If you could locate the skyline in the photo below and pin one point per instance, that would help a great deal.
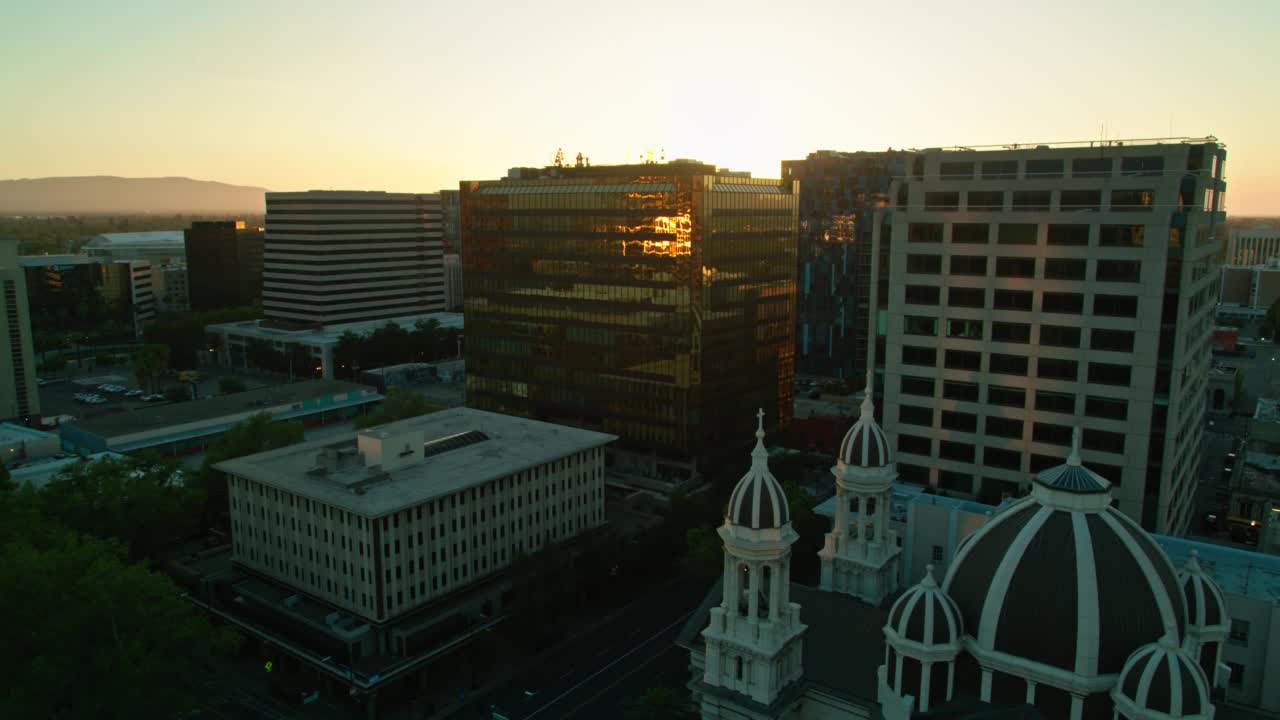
(414, 98)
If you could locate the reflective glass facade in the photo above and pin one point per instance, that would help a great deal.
(654, 302)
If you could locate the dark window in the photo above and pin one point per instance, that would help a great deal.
(968, 265)
(1115, 305)
(1111, 442)
(952, 450)
(1060, 336)
(1109, 374)
(1055, 369)
(942, 201)
(1064, 269)
(912, 385)
(963, 360)
(1044, 462)
(912, 415)
(1121, 235)
(924, 233)
(1077, 200)
(965, 329)
(1110, 472)
(1068, 235)
(966, 297)
(1045, 168)
(1004, 427)
(980, 200)
(951, 480)
(1007, 396)
(1065, 303)
(914, 474)
(1013, 300)
(956, 170)
(915, 444)
(924, 264)
(1149, 165)
(969, 233)
(916, 325)
(998, 457)
(1000, 170)
(1051, 434)
(1011, 332)
(1109, 408)
(1055, 402)
(1118, 271)
(955, 390)
(1112, 340)
(922, 294)
(1016, 234)
(1091, 167)
(912, 355)
(1030, 199)
(1132, 200)
(1015, 267)
(962, 421)
(1008, 364)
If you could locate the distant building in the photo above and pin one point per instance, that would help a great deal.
(341, 257)
(20, 444)
(451, 222)
(169, 288)
(75, 296)
(224, 264)
(158, 247)
(453, 282)
(19, 397)
(1257, 246)
(1248, 292)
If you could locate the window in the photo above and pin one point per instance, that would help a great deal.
(961, 421)
(1112, 442)
(1110, 472)
(1000, 170)
(1239, 634)
(1109, 374)
(1008, 364)
(1045, 168)
(924, 264)
(1015, 267)
(1091, 167)
(936, 557)
(1112, 340)
(1148, 165)
(1051, 434)
(985, 200)
(1132, 200)
(1016, 234)
(1064, 403)
(1000, 458)
(1044, 462)
(950, 480)
(1060, 336)
(1064, 269)
(966, 297)
(943, 201)
(1004, 427)
(1128, 271)
(969, 234)
(1011, 332)
(1006, 396)
(1079, 200)
(912, 355)
(1064, 303)
(1054, 369)
(1109, 408)
(966, 329)
(956, 170)
(915, 444)
(1115, 305)
(968, 265)
(915, 474)
(1030, 200)
(912, 385)
(912, 415)
(1013, 300)
(951, 450)
(917, 325)
(924, 233)
(1121, 235)
(1068, 235)
(956, 390)
(963, 360)
(1237, 675)
(922, 295)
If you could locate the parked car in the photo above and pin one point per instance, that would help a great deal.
(134, 393)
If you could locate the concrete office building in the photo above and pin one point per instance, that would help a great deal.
(19, 398)
(1256, 246)
(453, 282)
(451, 222)
(158, 247)
(1032, 289)
(224, 264)
(169, 288)
(74, 296)
(1249, 291)
(335, 257)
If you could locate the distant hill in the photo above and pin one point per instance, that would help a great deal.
(106, 194)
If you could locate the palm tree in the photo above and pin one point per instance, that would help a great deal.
(149, 360)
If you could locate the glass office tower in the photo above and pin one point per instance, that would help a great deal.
(654, 301)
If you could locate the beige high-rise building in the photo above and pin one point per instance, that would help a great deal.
(1028, 290)
(1255, 246)
(19, 398)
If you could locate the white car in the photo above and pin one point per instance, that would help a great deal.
(133, 393)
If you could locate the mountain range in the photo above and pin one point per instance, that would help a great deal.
(104, 194)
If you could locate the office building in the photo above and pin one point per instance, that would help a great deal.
(839, 193)
(80, 299)
(224, 264)
(19, 398)
(1254, 246)
(157, 247)
(655, 302)
(1248, 291)
(335, 257)
(453, 282)
(1032, 289)
(450, 221)
(169, 288)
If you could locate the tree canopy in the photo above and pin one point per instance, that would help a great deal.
(393, 345)
(255, 434)
(662, 703)
(183, 333)
(400, 403)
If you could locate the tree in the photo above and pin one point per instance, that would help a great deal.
(706, 552)
(661, 703)
(184, 334)
(812, 529)
(148, 361)
(177, 393)
(400, 403)
(230, 385)
(54, 364)
(255, 434)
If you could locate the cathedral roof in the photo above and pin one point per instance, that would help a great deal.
(758, 501)
(1205, 605)
(926, 615)
(1161, 680)
(865, 445)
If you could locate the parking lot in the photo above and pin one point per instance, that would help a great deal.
(58, 397)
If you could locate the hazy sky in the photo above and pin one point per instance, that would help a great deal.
(413, 96)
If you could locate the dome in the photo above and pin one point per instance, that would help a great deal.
(758, 501)
(1161, 680)
(926, 615)
(1206, 607)
(865, 445)
(1064, 553)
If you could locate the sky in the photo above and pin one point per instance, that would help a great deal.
(415, 96)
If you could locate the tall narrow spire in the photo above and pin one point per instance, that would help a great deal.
(1074, 457)
(868, 405)
(759, 454)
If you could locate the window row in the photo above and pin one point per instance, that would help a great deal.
(1063, 303)
(1129, 271)
(1011, 332)
(1081, 167)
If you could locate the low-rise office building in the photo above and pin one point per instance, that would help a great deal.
(1248, 291)
(18, 396)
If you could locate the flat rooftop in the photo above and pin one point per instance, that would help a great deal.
(156, 417)
(1268, 410)
(329, 334)
(465, 447)
(1242, 572)
(10, 433)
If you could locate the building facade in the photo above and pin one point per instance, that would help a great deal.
(450, 220)
(19, 397)
(1028, 290)
(453, 282)
(335, 257)
(1256, 246)
(655, 302)
(75, 298)
(1248, 291)
(170, 289)
(157, 247)
(224, 264)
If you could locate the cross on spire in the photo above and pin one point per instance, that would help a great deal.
(868, 405)
(759, 454)
(1074, 457)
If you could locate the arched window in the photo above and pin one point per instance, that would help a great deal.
(766, 585)
(739, 670)
(1219, 397)
(744, 589)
